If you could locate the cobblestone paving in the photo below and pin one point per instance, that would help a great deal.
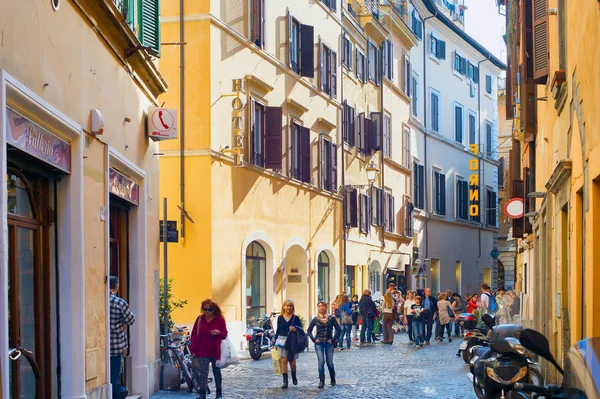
(374, 371)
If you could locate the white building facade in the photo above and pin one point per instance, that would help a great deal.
(454, 126)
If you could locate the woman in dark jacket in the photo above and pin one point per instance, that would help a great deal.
(324, 341)
(205, 344)
(285, 323)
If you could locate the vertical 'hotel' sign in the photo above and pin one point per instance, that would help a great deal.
(474, 181)
(238, 138)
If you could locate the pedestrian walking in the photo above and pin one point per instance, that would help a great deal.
(388, 308)
(324, 339)
(444, 315)
(408, 314)
(430, 313)
(472, 304)
(418, 320)
(286, 323)
(347, 312)
(205, 344)
(459, 305)
(368, 312)
(355, 317)
(121, 316)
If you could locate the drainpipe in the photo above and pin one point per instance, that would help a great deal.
(481, 169)
(182, 117)
(382, 160)
(344, 196)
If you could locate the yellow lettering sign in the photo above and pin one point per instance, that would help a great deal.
(474, 181)
(474, 210)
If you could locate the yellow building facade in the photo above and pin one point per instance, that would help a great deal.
(560, 130)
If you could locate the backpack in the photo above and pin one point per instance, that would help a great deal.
(493, 304)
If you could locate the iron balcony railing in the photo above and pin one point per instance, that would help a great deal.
(126, 8)
(372, 7)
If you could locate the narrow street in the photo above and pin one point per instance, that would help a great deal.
(371, 372)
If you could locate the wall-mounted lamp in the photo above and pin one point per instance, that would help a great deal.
(372, 171)
(537, 194)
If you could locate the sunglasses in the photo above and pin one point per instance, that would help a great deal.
(207, 309)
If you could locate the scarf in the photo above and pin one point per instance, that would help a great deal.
(323, 317)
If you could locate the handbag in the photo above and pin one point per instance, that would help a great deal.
(346, 318)
(228, 354)
(281, 341)
(275, 359)
(450, 312)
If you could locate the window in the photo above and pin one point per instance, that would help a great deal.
(437, 47)
(387, 136)
(472, 128)
(407, 152)
(323, 278)
(388, 59)
(458, 123)
(348, 125)
(266, 136)
(488, 139)
(419, 185)
(351, 207)
(407, 70)
(149, 27)
(374, 277)
(491, 207)
(347, 52)
(460, 64)
(408, 219)
(501, 168)
(435, 111)
(374, 63)
(364, 134)
(257, 27)
(376, 206)
(256, 281)
(417, 25)
(328, 165)
(473, 73)
(439, 193)
(376, 136)
(415, 97)
(328, 70)
(300, 153)
(300, 47)
(365, 214)
(389, 213)
(331, 4)
(488, 84)
(462, 199)
(361, 66)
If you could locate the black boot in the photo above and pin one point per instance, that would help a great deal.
(294, 379)
(285, 381)
(202, 394)
(219, 394)
(321, 381)
(332, 375)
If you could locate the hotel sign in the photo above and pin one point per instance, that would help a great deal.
(37, 141)
(237, 105)
(123, 187)
(474, 181)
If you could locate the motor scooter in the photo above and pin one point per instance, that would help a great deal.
(261, 336)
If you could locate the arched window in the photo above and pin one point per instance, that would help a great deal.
(374, 278)
(256, 272)
(323, 278)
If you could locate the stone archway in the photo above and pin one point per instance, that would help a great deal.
(375, 284)
(296, 279)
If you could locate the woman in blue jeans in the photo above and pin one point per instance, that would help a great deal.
(418, 320)
(347, 311)
(324, 341)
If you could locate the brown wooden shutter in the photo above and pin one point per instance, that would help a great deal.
(353, 208)
(527, 56)
(305, 154)
(528, 228)
(333, 73)
(540, 40)
(518, 192)
(333, 170)
(255, 27)
(510, 114)
(386, 212)
(307, 51)
(262, 23)
(273, 137)
(528, 110)
(376, 131)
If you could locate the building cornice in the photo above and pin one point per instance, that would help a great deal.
(560, 174)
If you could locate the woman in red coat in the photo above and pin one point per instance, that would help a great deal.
(209, 330)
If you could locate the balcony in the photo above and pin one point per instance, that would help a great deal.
(454, 9)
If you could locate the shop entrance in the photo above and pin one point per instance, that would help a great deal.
(29, 285)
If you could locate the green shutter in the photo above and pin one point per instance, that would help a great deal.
(149, 33)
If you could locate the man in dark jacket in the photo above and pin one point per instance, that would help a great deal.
(429, 303)
(460, 306)
(368, 311)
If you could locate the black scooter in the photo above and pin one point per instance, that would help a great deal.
(261, 336)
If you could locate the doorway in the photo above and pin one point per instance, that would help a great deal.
(435, 275)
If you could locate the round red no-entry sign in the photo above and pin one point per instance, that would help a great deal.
(514, 208)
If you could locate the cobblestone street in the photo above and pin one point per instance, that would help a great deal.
(369, 372)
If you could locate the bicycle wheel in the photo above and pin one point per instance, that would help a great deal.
(185, 371)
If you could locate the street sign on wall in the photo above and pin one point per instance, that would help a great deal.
(172, 232)
(162, 123)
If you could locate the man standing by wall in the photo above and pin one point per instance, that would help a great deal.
(430, 310)
(120, 316)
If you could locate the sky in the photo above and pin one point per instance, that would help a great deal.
(484, 24)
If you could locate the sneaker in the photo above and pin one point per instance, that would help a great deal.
(449, 339)
(417, 346)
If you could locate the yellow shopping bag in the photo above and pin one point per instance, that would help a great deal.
(275, 359)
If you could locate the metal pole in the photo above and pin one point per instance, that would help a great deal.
(181, 118)
(166, 277)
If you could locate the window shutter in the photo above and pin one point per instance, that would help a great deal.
(322, 60)
(528, 228)
(353, 208)
(376, 131)
(442, 183)
(362, 210)
(368, 213)
(333, 170)
(368, 135)
(305, 154)
(458, 123)
(386, 212)
(345, 112)
(307, 51)
(540, 40)
(528, 110)
(408, 79)
(273, 137)
(149, 33)
(384, 55)
(333, 5)
(255, 27)
(488, 83)
(333, 73)
(422, 186)
(323, 159)
(391, 60)
(361, 132)
(351, 127)
(289, 38)
(518, 192)
(441, 49)
(373, 207)
(465, 204)
(392, 216)
(380, 207)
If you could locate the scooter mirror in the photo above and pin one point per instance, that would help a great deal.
(488, 320)
(538, 344)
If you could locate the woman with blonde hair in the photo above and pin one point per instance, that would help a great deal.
(286, 323)
(205, 344)
(445, 316)
(388, 318)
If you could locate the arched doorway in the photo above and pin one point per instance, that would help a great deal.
(375, 278)
(256, 281)
(501, 274)
(296, 281)
(323, 278)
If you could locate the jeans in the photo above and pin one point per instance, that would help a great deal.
(367, 329)
(346, 330)
(116, 366)
(388, 322)
(448, 328)
(201, 364)
(457, 328)
(355, 331)
(418, 331)
(410, 327)
(428, 320)
(324, 352)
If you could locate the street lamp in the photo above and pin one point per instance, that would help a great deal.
(372, 171)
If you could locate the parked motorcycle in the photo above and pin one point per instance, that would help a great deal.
(495, 369)
(261, 336)
(472, 336)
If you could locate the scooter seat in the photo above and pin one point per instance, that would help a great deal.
(481, 351)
